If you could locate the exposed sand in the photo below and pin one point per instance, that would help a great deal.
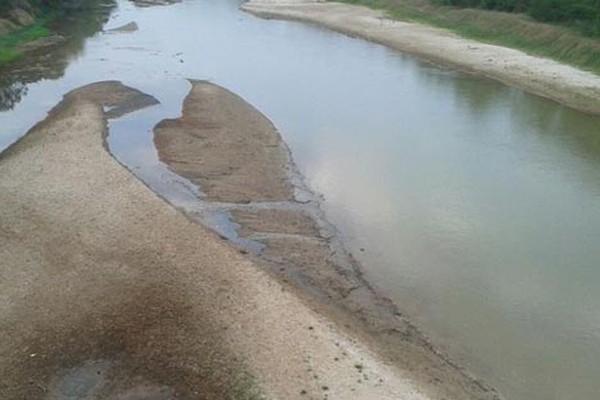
(237, 157)
(567, 85)
(107, 292)
(241, 156)
(127, 28)
(152, 3)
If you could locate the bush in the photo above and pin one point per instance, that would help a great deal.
(581, 14)
(6, 5)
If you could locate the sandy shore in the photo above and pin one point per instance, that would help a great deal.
(238, 159)
(108, 292)
(567, 85)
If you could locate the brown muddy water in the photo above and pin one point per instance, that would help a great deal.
(475, 206)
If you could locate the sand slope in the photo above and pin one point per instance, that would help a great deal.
(226, 147)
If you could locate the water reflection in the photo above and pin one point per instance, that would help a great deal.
(490, 218)
(76, 25)
(11, 93)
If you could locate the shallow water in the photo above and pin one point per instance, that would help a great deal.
(478, 206)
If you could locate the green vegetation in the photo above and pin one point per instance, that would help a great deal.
(9, 43)
(8, 5)
(46, 13)
(583, 15)
(43, 5)
(563, 42)
(75, 24)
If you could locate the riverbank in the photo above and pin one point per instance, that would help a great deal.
(21, 32)
(30, 31)
(565, 42)
(565, 84)
(250, 185)
(109, 292)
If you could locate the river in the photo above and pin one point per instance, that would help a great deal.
(474, 206)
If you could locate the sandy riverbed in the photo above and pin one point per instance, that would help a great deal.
(245, 170)
(567, 85)
(108, 292)
(226, 147)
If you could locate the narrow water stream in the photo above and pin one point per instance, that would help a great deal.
(477, 206)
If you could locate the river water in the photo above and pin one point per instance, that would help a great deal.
(475, 206)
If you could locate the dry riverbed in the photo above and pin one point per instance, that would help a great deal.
(108, 292)
(567, 85)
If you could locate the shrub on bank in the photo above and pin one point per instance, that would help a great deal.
(473, 19)
(23, 21)
(583, 15)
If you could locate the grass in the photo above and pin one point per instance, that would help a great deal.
(9, 44)
(511, 30)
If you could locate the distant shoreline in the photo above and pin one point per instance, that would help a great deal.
(564, 84)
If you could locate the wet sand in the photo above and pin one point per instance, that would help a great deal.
(567, 85)
(108, 292)
(241, 156)
(238, 159)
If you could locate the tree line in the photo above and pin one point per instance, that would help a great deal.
(581, 14)
(43, 5)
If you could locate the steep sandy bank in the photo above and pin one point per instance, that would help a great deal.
(107, 292)
(567, 85)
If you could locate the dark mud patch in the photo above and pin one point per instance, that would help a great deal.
(145, 345)
(257, 221)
